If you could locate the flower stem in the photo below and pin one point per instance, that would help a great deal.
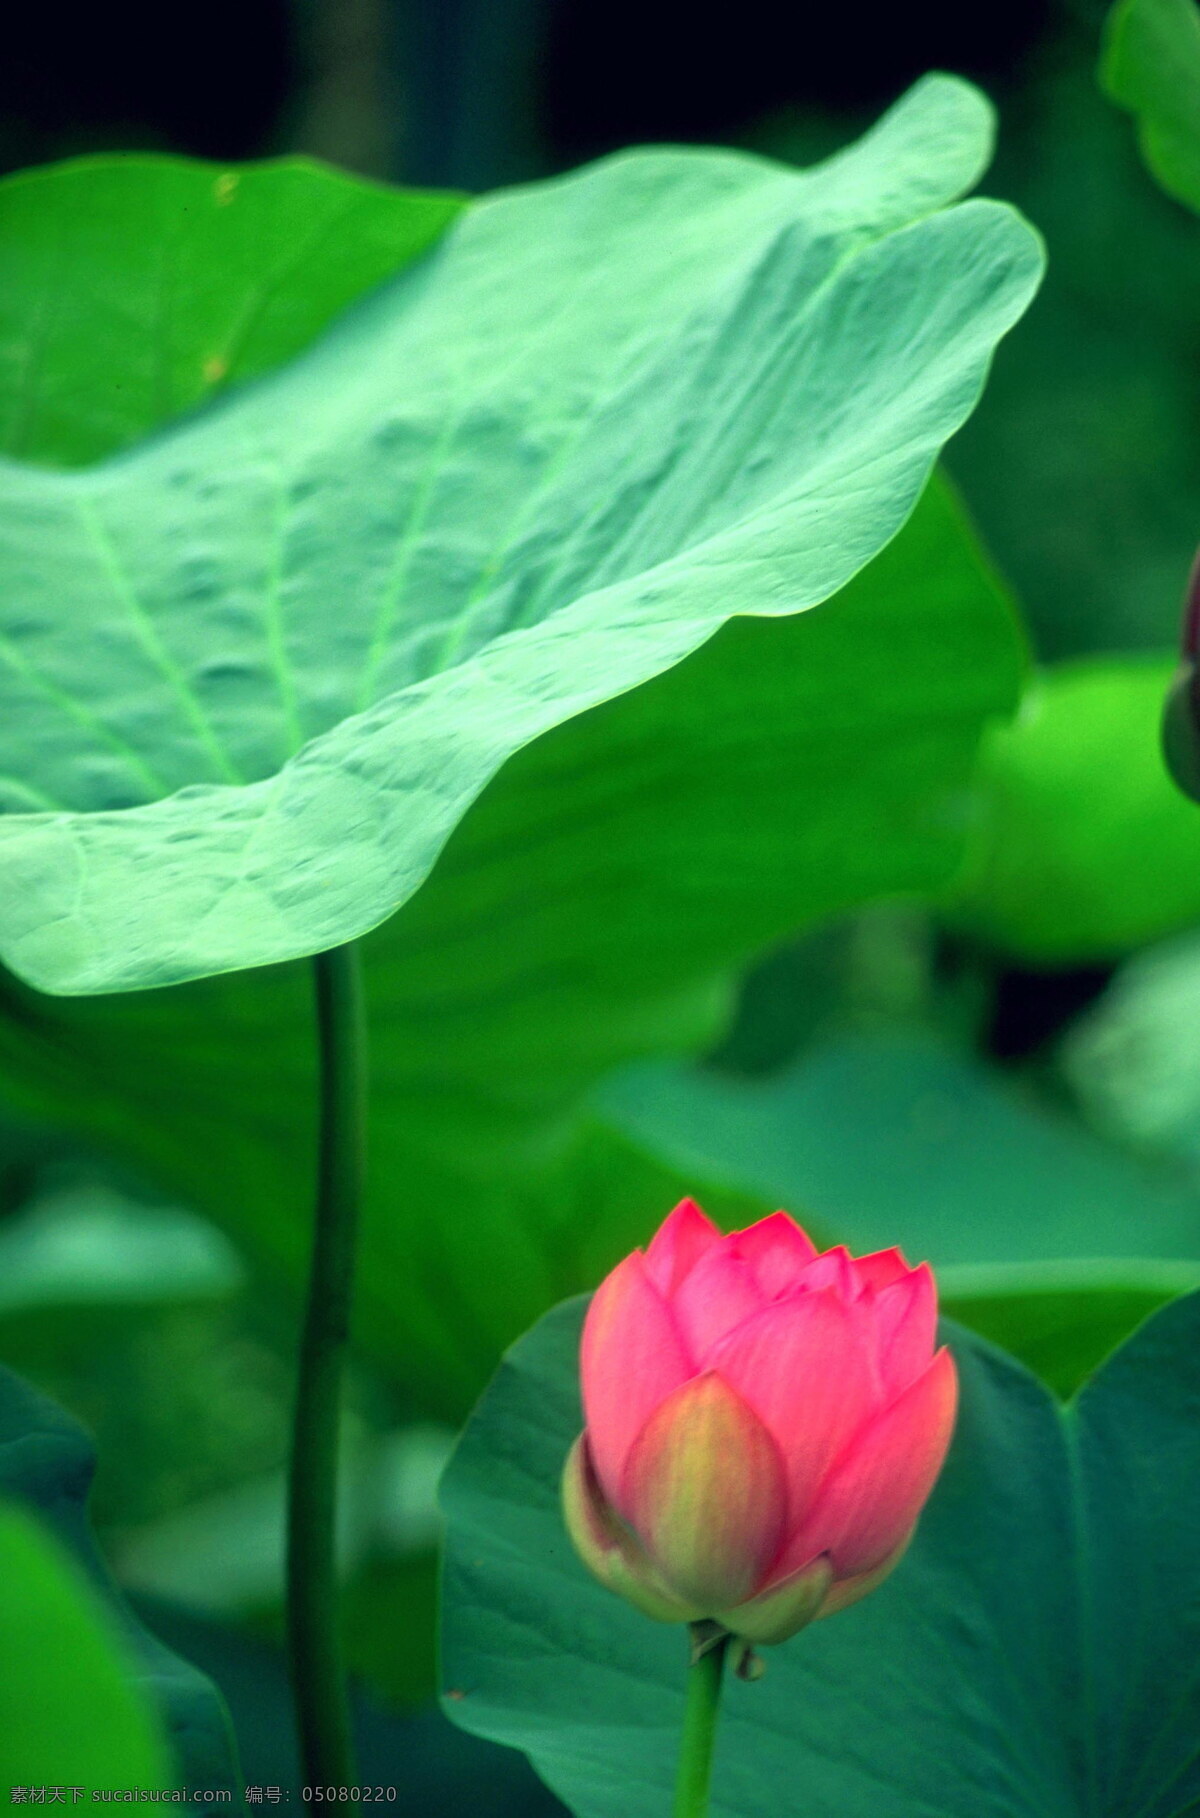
(699, 1723)
(314, 1644)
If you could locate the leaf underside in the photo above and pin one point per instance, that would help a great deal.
(254, 670)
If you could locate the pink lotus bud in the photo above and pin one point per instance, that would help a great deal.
(764, 1424)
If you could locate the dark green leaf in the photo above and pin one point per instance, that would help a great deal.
(136, 287)
(69, 1715)
(1033, 1656)
(435, 1768)
(257, 669)
(46, 1462)
(1151, 66)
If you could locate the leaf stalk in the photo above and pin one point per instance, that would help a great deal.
(700, 1719)
(314, 1642)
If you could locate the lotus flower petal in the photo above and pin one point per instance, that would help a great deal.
(905, 1321)
(764, 1424)
(680, 1241)
(718, 1293)
(880, 1269)
(631, 1358)
(832, 1269)
(777, 1250)
(873, 1497)
(704, 1489)
(607, 1549)
(802, 1365)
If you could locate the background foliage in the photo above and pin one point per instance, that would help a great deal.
(913, 989)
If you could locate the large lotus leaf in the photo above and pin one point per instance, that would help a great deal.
(136, 287)
(256, 669)
(1083, 847)
(1033, 1656)
(585, 913)
(69, 1716)
(46, 1463)
(1151, 65)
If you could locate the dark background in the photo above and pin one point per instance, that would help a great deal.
(474, 92)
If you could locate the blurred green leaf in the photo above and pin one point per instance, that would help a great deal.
(69, 1715)
(896, 1139)
(1045, 1238)
(1151, 65)
(1062, 1319)
(135, 287)
(1134, 1058)
(1033, 1654)
(46, 1462)
(205, 770)
(224, 1555)
(1084, 848)
(90, 1246)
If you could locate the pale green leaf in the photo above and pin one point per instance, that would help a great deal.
(254, 671)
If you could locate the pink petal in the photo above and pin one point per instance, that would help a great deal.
(680, 1241)
(631, 1358)
(877, 1491)
(832, 1269)
(704, 1491)
(881, 1269)
(777, 1250)
(905, 1318)
(804, 1367)
(716, 1295)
